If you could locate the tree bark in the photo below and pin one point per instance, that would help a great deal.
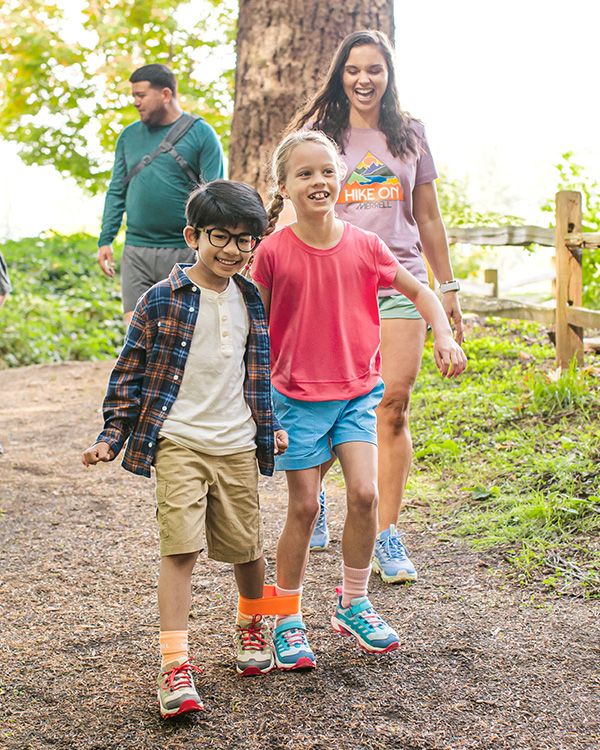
(283, 53)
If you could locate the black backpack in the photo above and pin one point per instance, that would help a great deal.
(166, 146)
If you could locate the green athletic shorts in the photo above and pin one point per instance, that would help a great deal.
(398, 306)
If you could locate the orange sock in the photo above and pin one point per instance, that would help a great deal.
(173, 646)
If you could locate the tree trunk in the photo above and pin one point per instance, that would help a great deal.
(283, 52)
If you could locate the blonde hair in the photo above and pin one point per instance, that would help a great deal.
(279, 165)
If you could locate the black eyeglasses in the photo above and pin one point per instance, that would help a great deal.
(220, 238)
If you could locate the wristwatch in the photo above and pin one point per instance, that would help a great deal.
(449, 286)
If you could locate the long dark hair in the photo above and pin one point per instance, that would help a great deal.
(329, 109)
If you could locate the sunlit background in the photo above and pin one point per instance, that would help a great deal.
(503, 88)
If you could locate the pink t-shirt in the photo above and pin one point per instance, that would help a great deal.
(324, 318)
(378, 193)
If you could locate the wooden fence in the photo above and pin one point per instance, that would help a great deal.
(567, 315)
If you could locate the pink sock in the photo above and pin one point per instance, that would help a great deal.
(355, 583)
(287, 592)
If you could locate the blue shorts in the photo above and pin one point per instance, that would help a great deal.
(316, 427)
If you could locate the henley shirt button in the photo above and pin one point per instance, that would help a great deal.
(175, 377)
(225, 333)
(150, 445)
(191, 309)
(194, 289)
(183, 343)
(164, 408)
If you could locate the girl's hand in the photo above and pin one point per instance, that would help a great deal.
(98, 452)
(451, 306)
(449, 357)
(281, 442)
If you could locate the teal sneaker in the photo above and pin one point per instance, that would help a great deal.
(371, 631)
(390, 558)
(291, 645)
(320, 536)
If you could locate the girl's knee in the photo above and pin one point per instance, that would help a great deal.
(305, 510)
(363, 497)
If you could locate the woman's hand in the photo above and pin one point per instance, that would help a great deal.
(449, 357)
(451, 305)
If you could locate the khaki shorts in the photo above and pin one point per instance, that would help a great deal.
(200, 495)
(142, 267)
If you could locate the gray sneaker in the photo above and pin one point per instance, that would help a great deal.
(254, 648)
(176, 690)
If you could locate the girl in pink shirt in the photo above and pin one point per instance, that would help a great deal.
(319, 279)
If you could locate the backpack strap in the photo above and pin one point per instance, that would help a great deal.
(166, 146)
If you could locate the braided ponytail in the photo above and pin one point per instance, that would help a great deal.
(273, 211)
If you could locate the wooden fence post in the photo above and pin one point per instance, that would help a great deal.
(490, 276)
(569, 285)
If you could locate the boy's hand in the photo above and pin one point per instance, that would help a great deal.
(449, 357)
(98, 452)
(281, 442)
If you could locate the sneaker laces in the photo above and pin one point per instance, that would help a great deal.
(180, 677)
(321, 524)
(251, 637)
(373, 619)
(294, 637)
(393, 547)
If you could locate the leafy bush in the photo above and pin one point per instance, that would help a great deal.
(572, 176)
(62, 307)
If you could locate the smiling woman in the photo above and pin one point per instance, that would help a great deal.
(389, 190)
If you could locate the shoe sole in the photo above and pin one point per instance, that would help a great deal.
(302, 664)
(319, 548)
(402, 577)
(254, 671)
(367, 647)
(185, 708)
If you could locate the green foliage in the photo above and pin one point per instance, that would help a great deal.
(560, 391)
(512, 450)
(62, 307)
(64, 91)
(572, 176)
(458, 212)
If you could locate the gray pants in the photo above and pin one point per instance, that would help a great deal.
(142, 267)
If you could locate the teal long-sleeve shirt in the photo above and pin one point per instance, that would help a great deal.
(154, 200)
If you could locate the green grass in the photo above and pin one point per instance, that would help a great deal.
(508, 456)
(62, 307)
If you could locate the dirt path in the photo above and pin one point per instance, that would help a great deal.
(481, 665)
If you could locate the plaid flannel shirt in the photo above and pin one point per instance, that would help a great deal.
(145, 380)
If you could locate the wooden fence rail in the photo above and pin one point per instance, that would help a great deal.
(567, 315)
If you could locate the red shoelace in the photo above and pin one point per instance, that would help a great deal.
(251, 635)
(181, 676)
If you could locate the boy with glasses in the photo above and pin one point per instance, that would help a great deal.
(191, 389)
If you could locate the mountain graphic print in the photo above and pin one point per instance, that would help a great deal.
(371, 181)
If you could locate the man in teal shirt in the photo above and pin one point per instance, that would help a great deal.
(154, 199)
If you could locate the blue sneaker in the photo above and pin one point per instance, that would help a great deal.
(291, 645)
(371, 631)
(320, 536)
(390, 558)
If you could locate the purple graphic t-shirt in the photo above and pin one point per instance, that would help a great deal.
(377, 193)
